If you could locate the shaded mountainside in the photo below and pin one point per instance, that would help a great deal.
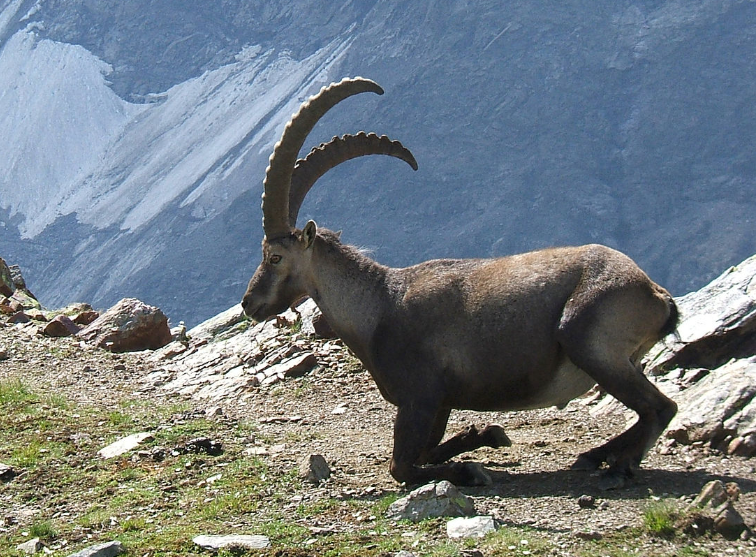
(138, 133)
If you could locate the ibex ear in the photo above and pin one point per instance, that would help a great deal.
(308, 233)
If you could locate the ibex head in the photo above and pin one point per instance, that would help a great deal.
(281, 278)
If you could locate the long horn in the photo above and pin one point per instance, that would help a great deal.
(275, 202)
(321, 159)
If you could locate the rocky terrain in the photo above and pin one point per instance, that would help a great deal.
(278, 393)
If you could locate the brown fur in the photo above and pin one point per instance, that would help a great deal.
(512, 333)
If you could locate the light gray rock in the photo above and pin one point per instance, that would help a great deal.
(109, 549)
(470, 527)
(430, 501)
(717, 323)
(124, 445)
(215, 543)
(719, 405)
(30, 547)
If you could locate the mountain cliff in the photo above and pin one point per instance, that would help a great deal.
(136, 134)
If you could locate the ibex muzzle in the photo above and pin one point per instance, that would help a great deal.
(513, 333)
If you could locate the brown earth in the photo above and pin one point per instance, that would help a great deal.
(336, 411)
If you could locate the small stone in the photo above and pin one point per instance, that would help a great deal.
(214, 543)
(85, 317)
(109, 549)
(202, 445)
(19, 317)
(31, 547)
(729, 522)
(589, 535)
(713, 494)
(470, 527)
(6, 473)
(124, 445)
(743, 446)
(430, 501)
(314, 469)
(587, 501)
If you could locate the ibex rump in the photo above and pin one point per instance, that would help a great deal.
(513, 333)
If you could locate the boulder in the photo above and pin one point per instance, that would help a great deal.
(6, 279)
(717, 324)
(128, 326)
(60, 326)
(719, 406)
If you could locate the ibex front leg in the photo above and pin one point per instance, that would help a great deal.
(469, 439)
(416, 426)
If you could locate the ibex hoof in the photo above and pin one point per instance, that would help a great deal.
(613, 479)
(472, 474)
(585, 463)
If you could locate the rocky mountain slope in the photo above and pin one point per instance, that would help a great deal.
(135, 136)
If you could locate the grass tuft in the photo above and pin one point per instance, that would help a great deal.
(659, 518)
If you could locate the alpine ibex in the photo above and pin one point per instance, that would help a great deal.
(513, 333)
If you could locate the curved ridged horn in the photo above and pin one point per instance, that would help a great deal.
(323, 158)
(275, 203)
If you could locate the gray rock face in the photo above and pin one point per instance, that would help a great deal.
(432, 500)
(710, 365)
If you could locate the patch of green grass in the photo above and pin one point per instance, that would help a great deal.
(659, 518)
(133, 524)
(56, 400)
(14, 394)
(43, 530)
(27, 455)
(117, 418)
(515, 541)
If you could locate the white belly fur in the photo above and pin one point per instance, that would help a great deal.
(569, 382)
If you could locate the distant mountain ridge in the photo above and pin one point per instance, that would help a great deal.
(136, 135)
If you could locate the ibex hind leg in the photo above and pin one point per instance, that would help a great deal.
(417, 428)
(623, 454)
(605, 336)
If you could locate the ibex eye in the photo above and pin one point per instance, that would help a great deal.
(275, 259)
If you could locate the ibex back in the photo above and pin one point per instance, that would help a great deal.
(512, 333)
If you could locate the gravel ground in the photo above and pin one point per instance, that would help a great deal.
(336, 411)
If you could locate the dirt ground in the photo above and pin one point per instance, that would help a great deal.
(338, 412)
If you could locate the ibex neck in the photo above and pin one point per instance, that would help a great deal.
(351, 290)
